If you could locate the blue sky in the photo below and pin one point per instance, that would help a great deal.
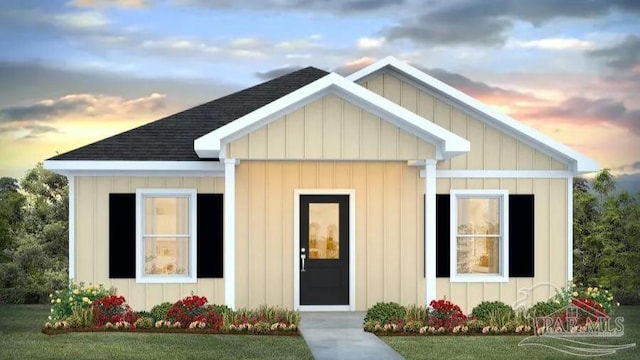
(75, 71)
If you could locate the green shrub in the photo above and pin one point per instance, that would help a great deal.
(262, 327)
(544, 308)
(486, 309)
(142, 313)
(23, 296)
(413, 326)
(159, 312)
(75, 295)
(499, 317)
(221, 309)
(383, 312)
(416, 313)
(145, 322)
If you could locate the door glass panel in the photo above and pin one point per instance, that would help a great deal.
(324, 222)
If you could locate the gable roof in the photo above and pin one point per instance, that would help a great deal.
(577, 161)
(171, 138)
(447, 143)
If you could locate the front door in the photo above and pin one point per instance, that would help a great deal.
(324, 250)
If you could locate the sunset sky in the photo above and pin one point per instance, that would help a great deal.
(73, 72)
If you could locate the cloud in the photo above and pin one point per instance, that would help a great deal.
(353, 66)
(480, 90)
(127, 4)
(601, 110)
(26, 130)
(277, 72)
(333, 6)
(470, 22)
(624, 55)
(554, 44)
(367, 43)
(81, 104)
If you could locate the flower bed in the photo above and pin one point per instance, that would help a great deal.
(442, 317)
(107, 312)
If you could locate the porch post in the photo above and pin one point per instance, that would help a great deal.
(430, 230)
(230, 232)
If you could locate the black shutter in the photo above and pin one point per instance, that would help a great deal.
(521, 235)
(210, 235)
(443, 239)
(122, 236)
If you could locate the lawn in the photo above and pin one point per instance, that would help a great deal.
(506, 347)
(20, 338)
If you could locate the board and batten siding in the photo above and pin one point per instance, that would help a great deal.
(330, 128)
(491, 149)
(92, 238)
(550, 246)
(389, 228)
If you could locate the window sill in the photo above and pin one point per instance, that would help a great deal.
(166, 280)
(479, 278)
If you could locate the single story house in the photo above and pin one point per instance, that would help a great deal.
(315, 191)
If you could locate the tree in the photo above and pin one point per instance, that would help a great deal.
(607, 236)
(11, 211)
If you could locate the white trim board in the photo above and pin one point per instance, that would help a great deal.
(581, 163)
(135, 168)
(569, 229)
(352, 249)
(72, 227)
(500, 174)
(229, 260)
(448, 144)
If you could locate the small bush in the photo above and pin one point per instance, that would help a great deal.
(159, 312)
(112, 309)
(220, 309)
(262, 327)
(445, 314)
(487, 308)
(143, 313)
(185, 310)
(413, 326)
(146, 322)
(76, 294)
(544, 308)
(383, 312)
(416, 313)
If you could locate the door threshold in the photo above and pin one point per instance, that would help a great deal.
(325, 308)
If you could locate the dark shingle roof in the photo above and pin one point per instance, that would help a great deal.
(171, 138)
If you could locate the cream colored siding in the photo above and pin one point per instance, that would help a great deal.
(330, 128)
(92, 238)
(389, 228)
(550, 243)
(490, 148)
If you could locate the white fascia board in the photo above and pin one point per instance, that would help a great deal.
(134, 168)
(579, 162)
(450, 144)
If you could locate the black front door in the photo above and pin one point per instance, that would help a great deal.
(324, 250)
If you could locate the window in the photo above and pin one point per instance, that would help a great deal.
(166, 235)
(479, 235)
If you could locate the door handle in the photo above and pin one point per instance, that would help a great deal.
(302, 257)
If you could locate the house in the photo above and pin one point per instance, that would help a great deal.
(318, 192)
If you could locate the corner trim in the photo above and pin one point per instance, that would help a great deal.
(569, 229)
(430, 231)
(230, 232)
(72, 226)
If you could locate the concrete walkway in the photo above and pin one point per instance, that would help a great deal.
(339, 335)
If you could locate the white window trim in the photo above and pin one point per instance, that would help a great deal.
(192, 276)
(503, 195)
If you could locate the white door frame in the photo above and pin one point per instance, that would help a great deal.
(352, 249)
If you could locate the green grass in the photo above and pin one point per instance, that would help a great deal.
(20, 338)
(506, 347)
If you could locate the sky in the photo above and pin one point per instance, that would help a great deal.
(76, 71)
